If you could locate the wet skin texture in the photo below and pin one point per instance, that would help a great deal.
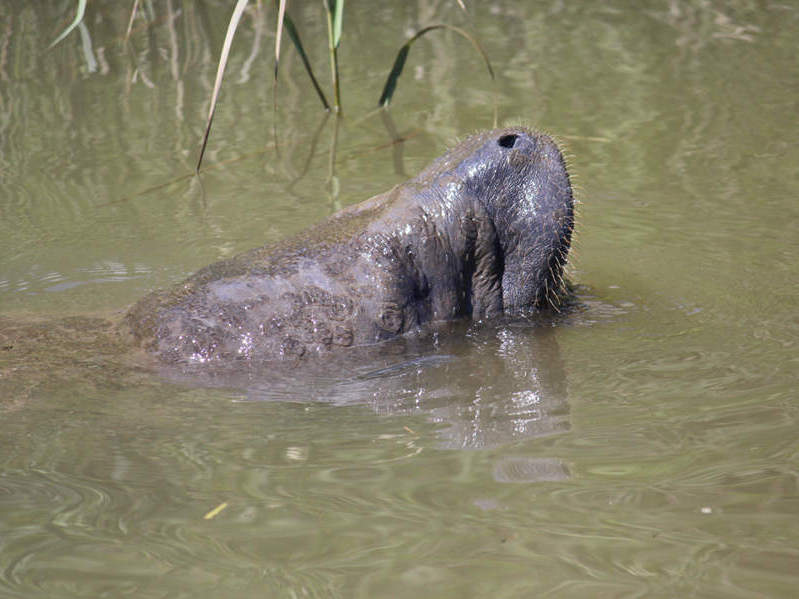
(483, 231)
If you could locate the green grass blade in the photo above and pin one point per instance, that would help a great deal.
(294, 36)
(338, 17)
(73, 24)
(220, 70)
(402, 56)
(281, 14)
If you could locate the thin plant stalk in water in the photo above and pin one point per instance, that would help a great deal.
(334, 14)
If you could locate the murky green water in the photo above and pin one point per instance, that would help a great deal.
(643, 445)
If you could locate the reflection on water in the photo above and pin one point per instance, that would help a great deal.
(503, 385)
(644, 445)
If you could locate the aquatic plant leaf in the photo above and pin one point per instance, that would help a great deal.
(294, 36)
(338, 17)
(393, 76)
(220, 70)
(402, 56)
(72, 25)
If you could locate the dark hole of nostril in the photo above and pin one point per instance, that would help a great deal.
(507, 141)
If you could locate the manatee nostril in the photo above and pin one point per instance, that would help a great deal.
(507, 141)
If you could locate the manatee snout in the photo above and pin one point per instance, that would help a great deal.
(528, 194)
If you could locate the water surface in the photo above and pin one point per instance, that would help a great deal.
(643, 444)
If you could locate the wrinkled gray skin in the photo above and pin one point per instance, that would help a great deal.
(483, 231)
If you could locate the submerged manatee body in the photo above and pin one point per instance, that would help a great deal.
(483, 231)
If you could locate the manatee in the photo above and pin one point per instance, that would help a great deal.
(483, 231)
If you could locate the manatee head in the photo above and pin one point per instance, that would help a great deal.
(520, 179)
